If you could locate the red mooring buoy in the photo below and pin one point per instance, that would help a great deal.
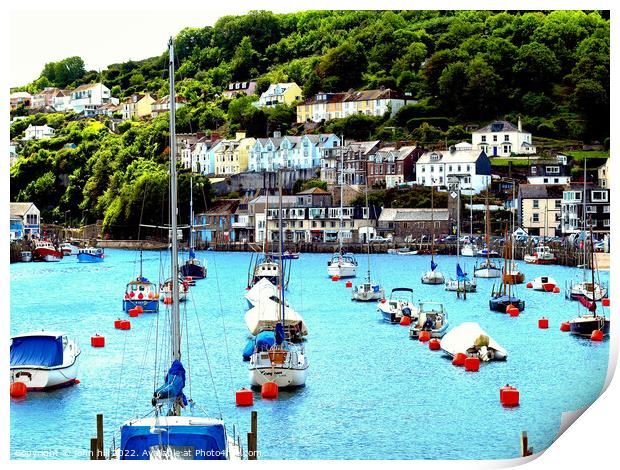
(18, 390)
(97, 341)
(434, 344)
(543, 323)
(472, 364)
(597, 335)
(244, 397)
(269, 390)
(459, 359)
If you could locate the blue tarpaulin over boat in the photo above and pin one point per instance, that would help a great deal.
(279, 336)
(262, 341)
(192, 442)
(433, 265)
(175, 381)
(460, 275)
(44, 351)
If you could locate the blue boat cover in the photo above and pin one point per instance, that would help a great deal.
(192, 255)
(460, 275)
(433, 265)
(262, 341)
(279, 336)
(44, 351)
(175, 382)
(195, 442)
(142, 279)
(375, 288)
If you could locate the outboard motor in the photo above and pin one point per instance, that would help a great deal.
(407, 312)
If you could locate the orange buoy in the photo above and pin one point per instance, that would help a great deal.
(139, 308)
(117, 323)
(97, 341)
(556, 290)
(472, 364)
(502, 390)
(125, 325)
(512, 311)
(511, 397)
(18, 390)
(269, 390)
(77, 381)
(244, 397)
(565, 326)
(543, 323)
(405, 320)
(335, 278)
(382, 301)
(349, 284)
(459, 359)
(424, 336)
(597, 335)
(133, 312)
(167, 300)
(605, 302)
(529, 285)
(434, 344)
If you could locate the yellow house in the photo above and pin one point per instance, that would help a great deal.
(144, 106)
(280, 93)
(243, 154)
(540, 209)
(232, 156)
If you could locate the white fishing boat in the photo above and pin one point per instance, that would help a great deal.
(542, 255)
(44, 360)
(470, 339)
(432, 317)
(68, 249)
(171, 433)
(399, 305)
(165, 290)
(433, 276)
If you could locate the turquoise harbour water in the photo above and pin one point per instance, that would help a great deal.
(371, 393)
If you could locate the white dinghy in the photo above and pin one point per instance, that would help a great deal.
(469, 338)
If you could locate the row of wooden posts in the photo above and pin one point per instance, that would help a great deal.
(96, 443)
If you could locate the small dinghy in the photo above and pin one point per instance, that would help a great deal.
(399, 305)
(469, 338)
(26, 256)
(544, 284)
(44, 360)
(433, 318)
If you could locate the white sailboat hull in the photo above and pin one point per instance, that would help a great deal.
(433, 277)
(292, 373)
(488, 273)
(467, 286)
(343, 270)
(362, 295)
(469, 250)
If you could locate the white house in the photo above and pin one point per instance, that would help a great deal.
(279, 93)
(25, 220)
(86, 98)
(472, 166)
(202, 156)
(38, 132)
(503, 139)
(265, 154)
(62, 101)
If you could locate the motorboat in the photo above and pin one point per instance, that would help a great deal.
(432, 317)
(342, 265)
(406, 252)
(541, 255)
(141, 292)
(90, 255)
(68, 249)
(544, 284)
(469, 249)
(470, 339)
(25, 256)
(286, 255)
(487, 269)
(264, 268)
(399, 305)
(44, 360)
(165, 290)
(46, 251)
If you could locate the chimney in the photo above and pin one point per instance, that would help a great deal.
(519, 125)
(277, 134)
(239, 135)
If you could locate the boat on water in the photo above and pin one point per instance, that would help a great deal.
(544, 284)
(285, 363)
(542, 255)
(90, 255)
(512, 275)
(25, 256)
(586, 290)
(170, 431)
(286, 255)
(488, 269)
(166, 288)
(505, 296)
(462, 283)
(68, 249)
(399, 305)
(141, 292)
(470, 339)
(487, 253)
(432, 317)
(261, 290)
(46, 251)
(433, 276)
(469, 249)
(44, 360)
(406, 252)
(193, 268)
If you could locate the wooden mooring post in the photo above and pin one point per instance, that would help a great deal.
(253, 438)
(96, 443)
(525, 450)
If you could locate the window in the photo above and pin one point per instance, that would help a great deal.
(535, 217)
(590, 209)
(494, 138)
(533, 170)
(553, 170)
(545, 180)
(599, 196)
(505, 148)
(558, 203)
(449, 167)
(606, 209)
(606, 223)
(506, 138)
(484, 138)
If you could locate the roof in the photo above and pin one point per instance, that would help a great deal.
(19, 209)
(20, 94)
(88, 86)
(223, 206)
(541, 191)
(364, 147)
(413, 215)
(273, 200)
(499, 126)
(370, 95)
(457, 156)
(314, 191)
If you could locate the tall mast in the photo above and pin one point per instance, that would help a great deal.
(487, 227)
(512, 228)
(280, 237)
(367, 232)
(341, 194)
(583, 197)
(471, 214)
(432, 222)
(191, 214)
(266, 238)
(175, 322)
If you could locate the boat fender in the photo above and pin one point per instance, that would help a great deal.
(407, 312)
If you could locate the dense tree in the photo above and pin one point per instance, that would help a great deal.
(64, 72)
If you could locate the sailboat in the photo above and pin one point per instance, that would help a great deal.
(192, 268)
(368, 290)
(585, 324)
(341, 264)
(264, 266)
(462, 283)
(284, 363)
(487, 269)
(470, 249)
(512, 275)
(141, 292)
(433, 276)
(584, 288)
(170, 434)
(504, 297)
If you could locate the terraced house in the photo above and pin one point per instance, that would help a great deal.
(231, 156)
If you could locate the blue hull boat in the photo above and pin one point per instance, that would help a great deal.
(147, 305)
(193, 270)
(90, 258)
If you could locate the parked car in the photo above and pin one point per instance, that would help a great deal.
(378, 239)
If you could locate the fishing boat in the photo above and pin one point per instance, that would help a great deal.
(487, 269)
(170, 433)
(286, 255)
(542, 255)
(46, 251)
(90, 255)
(193, 268)
(166, 289)
(25, 256)
(284, 363)
(505, 296)
(44, 360)
(544, 284)
(433, 276)
(470, 339)
(432, 317)
(368, 290)
(141, 292)
(399, 305)
(341, 264)
(68, 249)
